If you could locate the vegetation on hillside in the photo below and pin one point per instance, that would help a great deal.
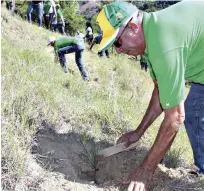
(151, 6)
(70, 9)
(37, 96)
(36, 91)
(76, 21)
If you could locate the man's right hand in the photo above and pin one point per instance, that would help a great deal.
(129, 137)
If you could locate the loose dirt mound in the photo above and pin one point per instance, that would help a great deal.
(65, 154)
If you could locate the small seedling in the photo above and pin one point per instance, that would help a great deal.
(91, 152)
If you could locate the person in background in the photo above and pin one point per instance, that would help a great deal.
(67, 45)
(97, 40)
(50, 13)
(136, 58)
(10, 5)
(35, 5)
(89, 33)
(172, 40)
(60, 25)
(143, 63)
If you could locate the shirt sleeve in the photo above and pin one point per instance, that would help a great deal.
(145, 59)
(60, 13)
(151, 72)
(89, 30)
(169, 71)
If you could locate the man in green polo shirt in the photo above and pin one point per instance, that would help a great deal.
(60, 25)
(172, 40)
(49, 13)
(66, 45)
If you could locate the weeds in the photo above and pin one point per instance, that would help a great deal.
(91, 153)
(172, 157)
(35, 89)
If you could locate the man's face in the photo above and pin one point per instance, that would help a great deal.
(52, 43)
(130, 41)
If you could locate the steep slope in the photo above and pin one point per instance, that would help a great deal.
(53, 123)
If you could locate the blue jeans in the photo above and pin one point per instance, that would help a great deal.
(39, 8)
(60, 28)
(98, 39)
(89, 38)
(194, 123)
(48, 20)
(78, 58)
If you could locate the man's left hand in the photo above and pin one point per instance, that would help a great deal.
(139, 180)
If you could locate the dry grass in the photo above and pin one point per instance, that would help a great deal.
(34, 90)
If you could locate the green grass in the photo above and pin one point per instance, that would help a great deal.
(35, 89)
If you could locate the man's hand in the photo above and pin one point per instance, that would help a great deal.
(130, 137)
(139, 180)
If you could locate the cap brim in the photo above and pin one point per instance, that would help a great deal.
(108, 40)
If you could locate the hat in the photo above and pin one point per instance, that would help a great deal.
(111, 17)
(50, 39)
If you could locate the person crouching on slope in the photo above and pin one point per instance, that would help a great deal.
(67, 45)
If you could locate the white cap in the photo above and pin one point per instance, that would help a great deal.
(50, 39)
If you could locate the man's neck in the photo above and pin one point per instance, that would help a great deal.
(137, 19)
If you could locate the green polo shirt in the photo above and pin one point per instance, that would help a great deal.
(46, 7)
(175, 49)
(59, 15)
(68, 41)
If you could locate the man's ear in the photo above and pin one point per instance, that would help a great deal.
(133, 26)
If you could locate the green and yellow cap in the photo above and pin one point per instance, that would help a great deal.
(111, 17)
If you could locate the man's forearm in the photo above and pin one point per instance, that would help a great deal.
(174, 117)
(153, 111)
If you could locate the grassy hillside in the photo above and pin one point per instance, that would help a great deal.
(41, 103)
